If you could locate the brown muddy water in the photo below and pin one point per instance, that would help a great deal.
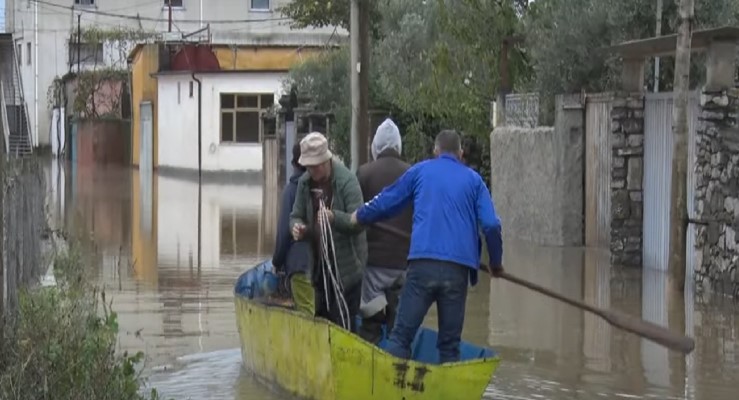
(181, 313)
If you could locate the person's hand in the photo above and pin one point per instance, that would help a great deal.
(496, 271)
(326, 215)
(298, 231)
(353, 218)
(278, 269)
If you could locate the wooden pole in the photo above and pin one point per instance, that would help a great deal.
(679, 192)
(359, 80)
(354, 81)
(364, 62)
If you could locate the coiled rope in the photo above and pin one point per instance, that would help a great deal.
(329, 268)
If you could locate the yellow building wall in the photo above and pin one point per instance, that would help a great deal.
(144, 244)
(144, 88)
(261, 58)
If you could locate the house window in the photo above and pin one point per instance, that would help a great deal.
(87, 3)
(173, 3)
(261, 5)
(28, 53)
(241, 116)
(19, 55)
(237, 235)
(89, 53)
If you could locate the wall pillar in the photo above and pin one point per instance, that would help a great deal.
(627, 165)
(717, 175)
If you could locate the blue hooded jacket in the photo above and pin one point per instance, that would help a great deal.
(290, 255)
(450, 202)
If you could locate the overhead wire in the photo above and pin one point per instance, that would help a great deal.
(140, 18)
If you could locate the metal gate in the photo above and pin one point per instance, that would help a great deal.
(658, 143)
(146, 166)
(598, 170)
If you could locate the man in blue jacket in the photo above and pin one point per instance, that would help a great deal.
(293, 257)
(449, 201)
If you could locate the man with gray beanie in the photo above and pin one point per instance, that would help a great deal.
(387, 254)
(451, 204)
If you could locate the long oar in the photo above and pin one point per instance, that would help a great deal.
(651, 331)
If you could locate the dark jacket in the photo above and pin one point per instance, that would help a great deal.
(287, 255)
(350, 240)
(385, 249)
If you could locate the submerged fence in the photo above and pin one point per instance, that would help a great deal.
(23, 225)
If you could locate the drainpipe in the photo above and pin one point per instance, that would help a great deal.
(200, 127)
(200, 164)
(34, 137)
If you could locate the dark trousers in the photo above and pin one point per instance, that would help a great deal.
(330, 311)
(429, 281)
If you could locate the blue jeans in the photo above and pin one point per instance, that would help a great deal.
(429, 281)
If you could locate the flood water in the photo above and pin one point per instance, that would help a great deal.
(169, 263)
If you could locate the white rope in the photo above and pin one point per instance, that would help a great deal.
(328, 265)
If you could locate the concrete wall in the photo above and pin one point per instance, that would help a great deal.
(178, 120)
(537, 183)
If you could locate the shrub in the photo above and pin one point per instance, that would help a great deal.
(61, 343)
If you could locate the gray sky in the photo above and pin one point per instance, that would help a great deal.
(2, 16)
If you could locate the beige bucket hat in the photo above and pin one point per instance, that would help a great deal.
(314, 150)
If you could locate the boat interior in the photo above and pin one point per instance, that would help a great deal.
(258, 284)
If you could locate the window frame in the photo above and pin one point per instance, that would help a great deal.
(260, 110)
(268, 9)
(85, 3)
(174, 6)
(98, 56)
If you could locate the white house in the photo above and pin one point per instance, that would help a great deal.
(44, 31)
(230, 121)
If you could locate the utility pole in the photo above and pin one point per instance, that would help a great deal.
(657, 33)
(359, 79)
(79, 40)
(169, 6)
(679, 192)
(364, 59)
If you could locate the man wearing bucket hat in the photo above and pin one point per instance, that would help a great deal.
(328, 180)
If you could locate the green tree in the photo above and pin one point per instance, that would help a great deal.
(567, 52)
(429, 71)
(327, 13)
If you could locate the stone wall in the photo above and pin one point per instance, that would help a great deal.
(627, 127)
(717, 192)
(537, 183)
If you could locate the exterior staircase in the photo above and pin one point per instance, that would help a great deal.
(14, 121)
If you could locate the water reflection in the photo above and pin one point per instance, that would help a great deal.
(170, 251)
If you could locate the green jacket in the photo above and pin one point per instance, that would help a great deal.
(350, 240)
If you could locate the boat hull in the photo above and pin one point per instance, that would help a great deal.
(313, 359)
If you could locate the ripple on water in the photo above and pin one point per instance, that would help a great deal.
(214, 375)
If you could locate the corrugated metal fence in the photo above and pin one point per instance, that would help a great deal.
(598, 170)
(658, 143)
(23, 221)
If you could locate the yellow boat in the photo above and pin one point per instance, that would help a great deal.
(312, 358)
